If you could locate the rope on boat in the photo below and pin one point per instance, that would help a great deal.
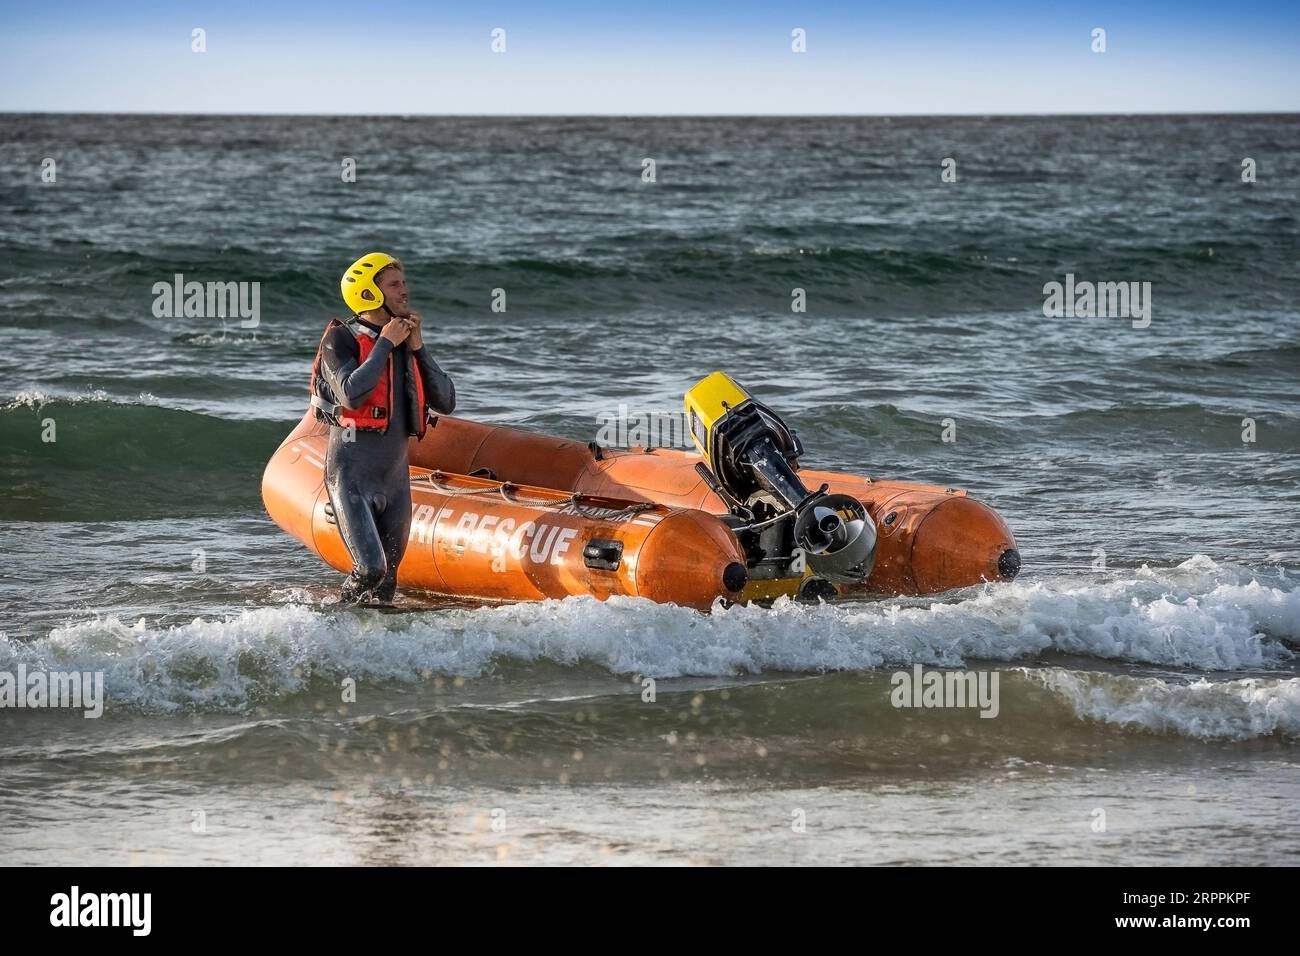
(505, 489)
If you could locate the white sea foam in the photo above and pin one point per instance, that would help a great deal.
(1196, 616)
(35, 398)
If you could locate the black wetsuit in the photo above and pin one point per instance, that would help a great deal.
(368, 480)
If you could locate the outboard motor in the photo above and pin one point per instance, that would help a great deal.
(752, 463)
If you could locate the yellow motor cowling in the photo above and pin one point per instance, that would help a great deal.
(707, 402)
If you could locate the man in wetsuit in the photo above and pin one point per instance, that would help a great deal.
(376, 385)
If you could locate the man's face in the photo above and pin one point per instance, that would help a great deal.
(393, 285)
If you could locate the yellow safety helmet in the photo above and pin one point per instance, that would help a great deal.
(360, 280)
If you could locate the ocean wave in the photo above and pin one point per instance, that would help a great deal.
(848, 271)
(1120, 425)
(36, 399)
(1199, 616)
(1207, 710)
(116, 459)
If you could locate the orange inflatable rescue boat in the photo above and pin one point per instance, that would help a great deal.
(502, 514)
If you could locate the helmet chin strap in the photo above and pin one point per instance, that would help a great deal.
(369, 322)
(387, 311)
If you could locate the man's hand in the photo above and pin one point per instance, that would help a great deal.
(396, 330)
(416, 339)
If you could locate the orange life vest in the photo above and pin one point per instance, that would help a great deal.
(376, 409)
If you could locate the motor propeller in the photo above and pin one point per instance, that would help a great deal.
(837, 537)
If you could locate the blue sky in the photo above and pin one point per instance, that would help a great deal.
(653, 57)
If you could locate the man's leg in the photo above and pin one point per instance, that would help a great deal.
(355, 518)
(394, 524)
